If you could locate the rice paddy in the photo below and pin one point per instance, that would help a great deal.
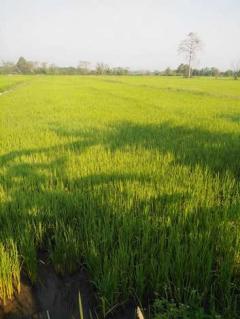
(9, 82)
(137, 178)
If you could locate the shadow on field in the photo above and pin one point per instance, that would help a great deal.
(235, 118)
(95, 221)
(218, 152)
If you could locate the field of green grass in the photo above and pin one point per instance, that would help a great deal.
(9, 82)
(136, 177)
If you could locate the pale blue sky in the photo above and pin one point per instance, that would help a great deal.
(136, 33)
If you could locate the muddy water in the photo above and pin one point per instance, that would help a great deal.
(52, 296)
(56, 297)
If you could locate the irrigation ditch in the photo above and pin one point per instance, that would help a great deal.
(53, 296)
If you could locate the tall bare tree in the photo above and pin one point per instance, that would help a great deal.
(190, 47)
(84, 67)
(102, 68)
(236, 69)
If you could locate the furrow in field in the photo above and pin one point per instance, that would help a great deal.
(174, 89)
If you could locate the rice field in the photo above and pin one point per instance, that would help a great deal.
(137, 178)
(9, 82)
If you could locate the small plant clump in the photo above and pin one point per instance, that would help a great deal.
(165, 309)
(9, 271)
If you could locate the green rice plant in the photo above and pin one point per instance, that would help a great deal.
(64, 249)
(9, 270)
(27, 248)
(9, 82)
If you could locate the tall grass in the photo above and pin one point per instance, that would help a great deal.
(9, 82)
(9, 270)
(137, 178)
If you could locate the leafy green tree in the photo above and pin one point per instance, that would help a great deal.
(215, 72)
(182, 69)
(168, 72)
(24, 66)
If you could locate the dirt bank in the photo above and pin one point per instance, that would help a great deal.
(56, 297)
(52, 296)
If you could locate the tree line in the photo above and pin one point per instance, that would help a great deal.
(183, 69)
(28, 67)
(189, 48)
(24, 66)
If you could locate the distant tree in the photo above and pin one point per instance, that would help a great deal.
(195, 72)
(53, 69)
(168, 72)
(7, 67)
(206, 71)
(182, 69)
(43, 68)
(102, 68)
(84, 67)
(228, 73)
(215, 72)
(69, 70)
(190, 47)
(24, 66)
(35, 67)
(120, 71)
(236, 69)
(156, 72)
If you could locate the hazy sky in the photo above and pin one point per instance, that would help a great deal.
(136, 33)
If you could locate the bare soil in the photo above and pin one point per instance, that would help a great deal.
(52, 296)
(56, 297)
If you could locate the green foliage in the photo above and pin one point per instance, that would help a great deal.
(23, 66)
(9, 82)
(165, 309)
(65, 251)
(136, 177)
